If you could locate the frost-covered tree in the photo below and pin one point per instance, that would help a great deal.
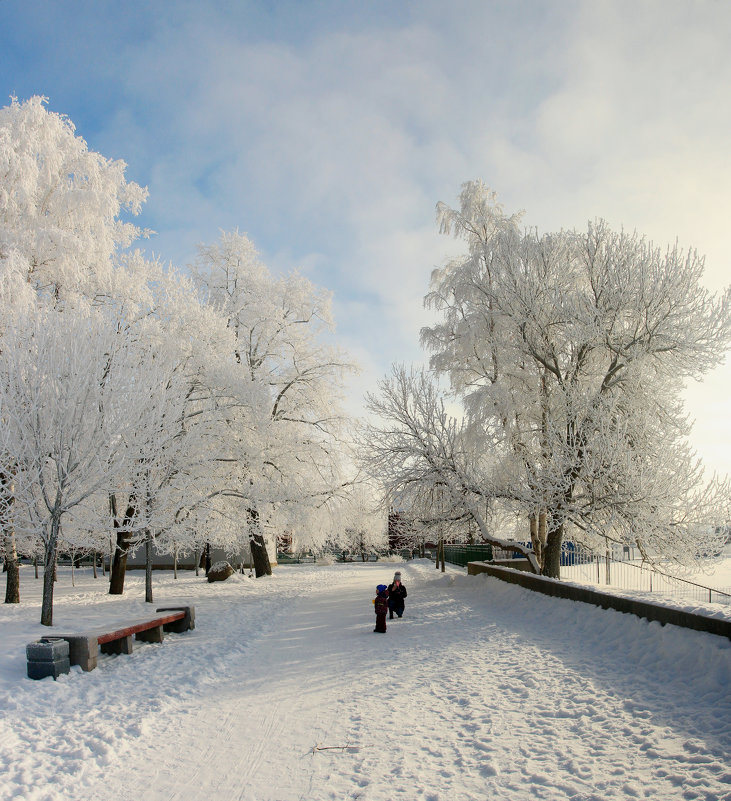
(71, 394)
(279, 325)
(221, 410)
(61, 226)
(569, 352)
(428, 459)
(175, 448)
(61, 208)
(360, 522)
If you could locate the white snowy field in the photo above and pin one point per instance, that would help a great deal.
(482, 691)
(692, 595)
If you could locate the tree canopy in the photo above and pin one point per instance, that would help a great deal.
(567, 352)
(137, 403)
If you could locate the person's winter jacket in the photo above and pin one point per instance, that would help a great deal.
(381, 603)
(396, 595)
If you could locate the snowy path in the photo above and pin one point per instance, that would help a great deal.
(481, 691)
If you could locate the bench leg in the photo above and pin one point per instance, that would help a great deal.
(150, 635)
(178, 626)
(83, 651)
(121, 646)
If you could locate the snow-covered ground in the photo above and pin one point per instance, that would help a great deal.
(706, 591)
(482, 691)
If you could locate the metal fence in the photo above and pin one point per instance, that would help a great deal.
(621, 568)
(462, 554)
(294, 559)
(633, 574)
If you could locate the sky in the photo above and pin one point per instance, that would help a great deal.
(328, 131)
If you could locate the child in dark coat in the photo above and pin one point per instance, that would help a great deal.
(381, 605)
(396, 595)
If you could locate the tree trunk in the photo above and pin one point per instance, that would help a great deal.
(48, 570)
(148, 540)
(10, 552)
(442, 565)
(258, 546)
(542, 532)
(118, 567)
(175, 560)
(119, 564)
(260, 556)
(12, 584)
(94, 555)
(533, 525)
(552, 553)
(538, 535)
(148, 566)
(49, 573)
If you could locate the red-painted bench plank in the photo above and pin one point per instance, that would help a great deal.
(141, 625)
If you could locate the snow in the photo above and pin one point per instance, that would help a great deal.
(684, 595)
(482, 690)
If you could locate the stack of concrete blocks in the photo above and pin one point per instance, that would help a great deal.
(47, 657)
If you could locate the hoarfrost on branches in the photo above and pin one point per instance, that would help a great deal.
(138, 405)
(568, 352)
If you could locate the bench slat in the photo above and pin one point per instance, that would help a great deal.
(142, 625)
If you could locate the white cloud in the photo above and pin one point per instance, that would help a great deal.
(331, 145)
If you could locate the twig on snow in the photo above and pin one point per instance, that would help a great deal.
(346, 747)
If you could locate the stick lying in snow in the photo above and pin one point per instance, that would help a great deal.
(346, 747)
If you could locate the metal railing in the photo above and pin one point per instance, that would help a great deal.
(633, 574)
(621, 569)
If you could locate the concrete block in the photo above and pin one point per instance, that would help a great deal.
(150, 635)
(47, 649)
(83, 650)
(41, 670)
(188, 622)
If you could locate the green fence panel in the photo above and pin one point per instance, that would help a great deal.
(462, 554)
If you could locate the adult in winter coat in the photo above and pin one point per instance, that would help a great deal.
(381, 605)
(396, 595)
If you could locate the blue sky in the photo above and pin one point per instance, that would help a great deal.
(329, 130)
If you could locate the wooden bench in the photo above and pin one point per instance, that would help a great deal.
(84, 648)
